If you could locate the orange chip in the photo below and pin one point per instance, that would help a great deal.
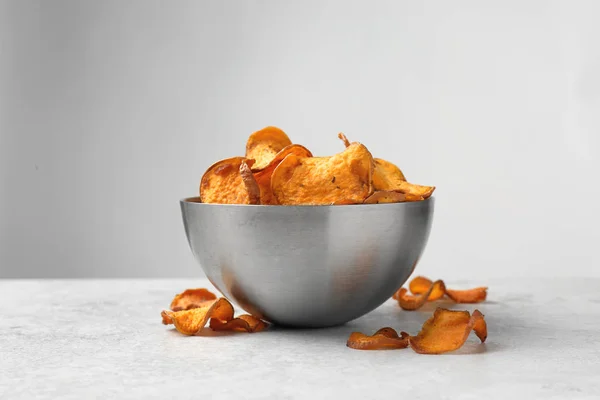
(475, 295)
(413, 302)
(191, 298)
(420, 284)
(263, 177)
(383, 339)
(413, 190)
(252, 187)
(190, 322)
(243, 323)
(387, 176)
(345, 176)
(224, 183)
(263, 145)
(447, 331)
(413, 197)
(384, 196)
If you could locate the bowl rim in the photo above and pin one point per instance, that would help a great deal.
(196, 200)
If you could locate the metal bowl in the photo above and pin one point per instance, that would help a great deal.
(307, 266)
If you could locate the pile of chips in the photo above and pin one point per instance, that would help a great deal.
(193, 308)
(276, 171)
(447, 330)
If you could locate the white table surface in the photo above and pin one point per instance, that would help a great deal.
(104, 339)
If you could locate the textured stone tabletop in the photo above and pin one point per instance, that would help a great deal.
(88, 339)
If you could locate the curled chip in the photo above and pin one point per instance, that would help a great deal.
(243, 323)
(190, 322)
(252, 187)
(224, 183)
(263, 145)
(384, 196)
(385, 338)
(475, 295)
(345, 176)
(191, 298)
(420, 284)
(447, 331)
(413, 302)
(387, 176)
(413, 190)
(263, 177)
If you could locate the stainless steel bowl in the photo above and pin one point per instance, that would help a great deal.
(307, 266)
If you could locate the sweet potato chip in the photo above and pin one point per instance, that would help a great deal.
(384, 196)
(191, 298)
(387, 175)
(263, 177)
(412, 189)
(324, 180)
(263, 145)
(420, 285)
(243, 323)
(475, 295)
(383, 339)
(412, 197)
(252, 187)
(224, 183)
(190, 322)
(408, 301)
(413, 302)
(447, 331)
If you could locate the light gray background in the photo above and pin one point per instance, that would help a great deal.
(110, 111)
